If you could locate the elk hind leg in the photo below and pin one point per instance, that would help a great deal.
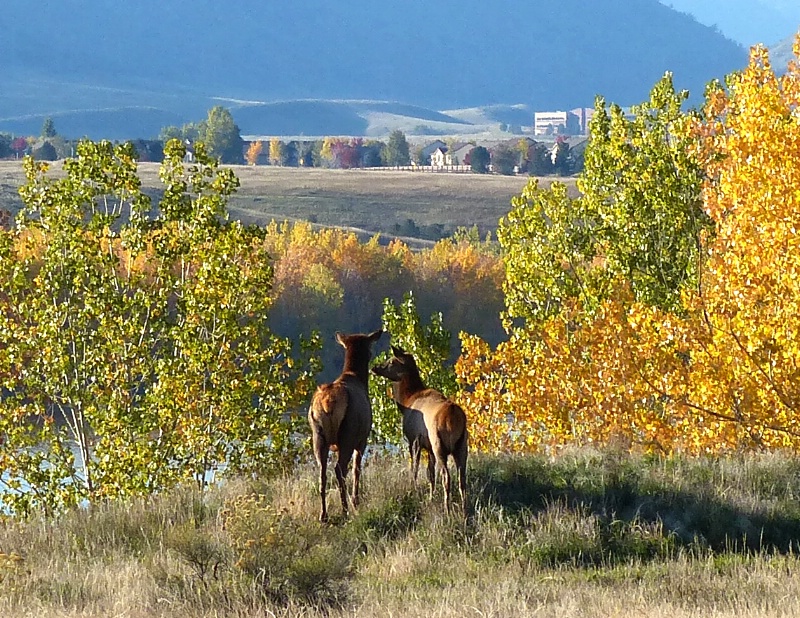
(415, 451)
(357, 477)
(460, 457)
(342, 464)
(431, 470)
(321, 455)
(441, 464)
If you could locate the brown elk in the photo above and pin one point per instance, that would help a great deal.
(341, 416)
(417, 436)
(444, 422)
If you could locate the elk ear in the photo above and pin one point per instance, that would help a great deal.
(340, 339)
(397, 351)
(374, 336)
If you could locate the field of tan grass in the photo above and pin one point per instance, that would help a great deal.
(373, 201)
(584, 534)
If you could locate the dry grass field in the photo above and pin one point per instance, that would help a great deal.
(585, 534)
(373, 201)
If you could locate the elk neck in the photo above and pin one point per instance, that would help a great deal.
(356, 363)
(410, 384)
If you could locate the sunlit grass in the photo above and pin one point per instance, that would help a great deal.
(371, 201)
(588, 533)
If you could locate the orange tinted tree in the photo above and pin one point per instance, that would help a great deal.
(605, 341)
(745, 366)
(571, 369)
(253, 152)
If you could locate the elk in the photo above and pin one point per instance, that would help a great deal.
(444, 424)
(340, 416)
(417, 436)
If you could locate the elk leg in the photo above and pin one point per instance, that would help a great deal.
(431, 471)
(357, 477)
(341, 471)
(441, 463)
(414, 448)
(460, 457)
(321, 455)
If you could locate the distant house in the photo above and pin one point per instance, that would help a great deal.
(460, 154)
(429, 149)
(575, 150)
(441, 157)
(577, 145)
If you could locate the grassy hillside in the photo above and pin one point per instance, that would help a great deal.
(294, 118)
(373, 201)
(586, 533)
(443, 55)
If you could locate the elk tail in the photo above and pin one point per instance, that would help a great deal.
(453, 426)
(327, 411)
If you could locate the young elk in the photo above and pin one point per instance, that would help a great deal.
(341, 416)
(444, 424)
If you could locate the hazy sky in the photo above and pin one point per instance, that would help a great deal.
(746, 21)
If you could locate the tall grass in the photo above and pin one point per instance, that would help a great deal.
(588, 533)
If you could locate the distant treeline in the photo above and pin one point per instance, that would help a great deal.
(222, 138)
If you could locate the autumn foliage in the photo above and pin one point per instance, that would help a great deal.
(136, 349)
(601, 346)
(329, 279)
(143, 347)
(253, 152)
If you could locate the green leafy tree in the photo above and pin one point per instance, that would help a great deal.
(639, 219)
(420, 157)
(189, 131)
(136, 348)
(170, 132)
(222, 136)
(48, 128)
(641, 188)
(45, 152)
(317, 157)
(504, 159)
(290, 154)
(396, 151)
(546, 249)
(540, 162)
(305, 154)
(430, 345)
(479, 159)
(561, 157)
(372, 154)
(5, 145)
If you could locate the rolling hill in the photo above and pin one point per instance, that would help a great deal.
(111, 69)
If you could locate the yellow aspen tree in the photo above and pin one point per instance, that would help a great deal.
(277, 150)
(745, 362)
(574, 369)
(253, 152)
(327, 153)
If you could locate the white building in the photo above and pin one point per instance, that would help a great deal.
(555, 123)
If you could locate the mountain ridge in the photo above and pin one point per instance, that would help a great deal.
(749, 22)
(175, 58)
